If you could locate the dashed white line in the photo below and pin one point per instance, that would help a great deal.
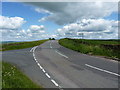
(54, 82)
(38, 64)
(36, 61)
(31, 49)
(61, 54)
(60, 87)
(34, 55)
(43, 70)
(34, 48)
(47, 75)
(40, 67)
(35, 58)
(50, 45)
(102, 70)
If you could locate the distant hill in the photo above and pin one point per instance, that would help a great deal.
(5, 42)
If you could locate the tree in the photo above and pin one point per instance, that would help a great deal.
(51, 38)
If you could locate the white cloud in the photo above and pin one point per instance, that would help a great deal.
(36, 27)
(92, 28)
(69, 12)
(40, 10)
(11, 22)
(34, 32)
(10, 28)
(42, 19)
(80, 17)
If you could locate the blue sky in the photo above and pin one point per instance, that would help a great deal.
(113, 16)
(12, 9)
(64, 17)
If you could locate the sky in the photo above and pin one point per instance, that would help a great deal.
(42, 20)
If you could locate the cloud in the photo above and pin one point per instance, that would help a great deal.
(10, 28)
(11, 22)
(92, 29)
(69, 12)
(36, 27)
(34, 32)
(80, 17)
(40, 10)
(42, 19)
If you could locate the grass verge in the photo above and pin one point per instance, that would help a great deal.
(14, 78)
(106, 48)
(21, 45)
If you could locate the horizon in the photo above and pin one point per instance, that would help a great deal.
(59, 39)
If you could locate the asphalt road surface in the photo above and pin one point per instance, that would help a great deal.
(54, 66)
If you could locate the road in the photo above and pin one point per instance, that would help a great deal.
(54, 66)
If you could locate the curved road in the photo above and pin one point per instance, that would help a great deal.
(54, 66)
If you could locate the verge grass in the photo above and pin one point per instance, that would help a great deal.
(14, 78)
(21, 45)
(104, 48)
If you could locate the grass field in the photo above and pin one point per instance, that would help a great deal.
(13, 78)
(107, 48)
(20, 45)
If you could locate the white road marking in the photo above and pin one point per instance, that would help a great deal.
(50, 45)
(54, 82)
(102, 70)
(60, 87)
(36, 61)
(38, 64)
(34, 48)
(31, 49)
(61, 54)
(34, 55)
(43, 70)
(40, 67)
(47, 75)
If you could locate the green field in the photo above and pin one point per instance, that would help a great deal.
(14, 78)
(106, 48)
(20, 45)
